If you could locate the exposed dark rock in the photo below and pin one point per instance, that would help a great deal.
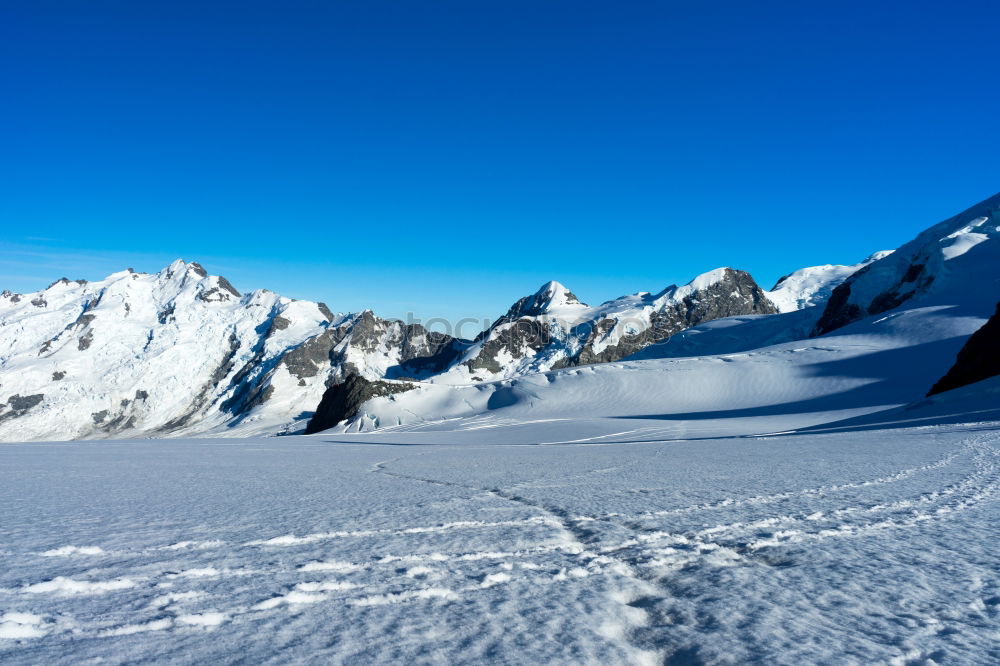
(222, 291)
(840, 310)
(120, 423)
(166, 313)
(523, 333)
(98, 417)
(141, 395)
(198, 269)
(342, 401)
(39, 302)
(57, 375)
(19, 405)
(780, 281)
(536, 304)
(61, 280)
(83, 321)
(279, 323)
(325, 311)
(23, 404)
(978, 359)
(7, 293)
(85, 340)
(213, 295)
(224, 283)
(440, 351)
(421, 351)
(306, 359)
(735, 294)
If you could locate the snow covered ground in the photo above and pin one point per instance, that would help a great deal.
(869, 541)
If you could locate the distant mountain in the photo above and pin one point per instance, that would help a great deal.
(182, 352)
(798, 296)
(552, 329)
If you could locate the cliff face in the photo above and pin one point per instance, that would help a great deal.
(979, 359)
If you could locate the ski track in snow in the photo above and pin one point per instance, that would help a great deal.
(636, 551)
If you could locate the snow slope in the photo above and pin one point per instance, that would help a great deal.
(812, 286)
(869, 366)
(874, 544)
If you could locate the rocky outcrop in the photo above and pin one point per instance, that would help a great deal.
(552, 329)
(408, 350)
(979, 359)
(734, 293)
(843, 308)
(341, 401)
(18, 405)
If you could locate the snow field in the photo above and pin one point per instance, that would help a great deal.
(776, 549)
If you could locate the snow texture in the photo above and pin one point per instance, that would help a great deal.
(622, 541)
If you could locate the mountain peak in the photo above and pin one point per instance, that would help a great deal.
(881, 254)
(181, 267)
(556, 293)
(549, 296)
(709, 278)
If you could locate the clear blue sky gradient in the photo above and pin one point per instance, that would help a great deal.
(447, 157)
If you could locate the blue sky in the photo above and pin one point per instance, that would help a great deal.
(445, 158)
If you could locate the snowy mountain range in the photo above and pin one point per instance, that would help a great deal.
(183, 353)
(847, 341)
